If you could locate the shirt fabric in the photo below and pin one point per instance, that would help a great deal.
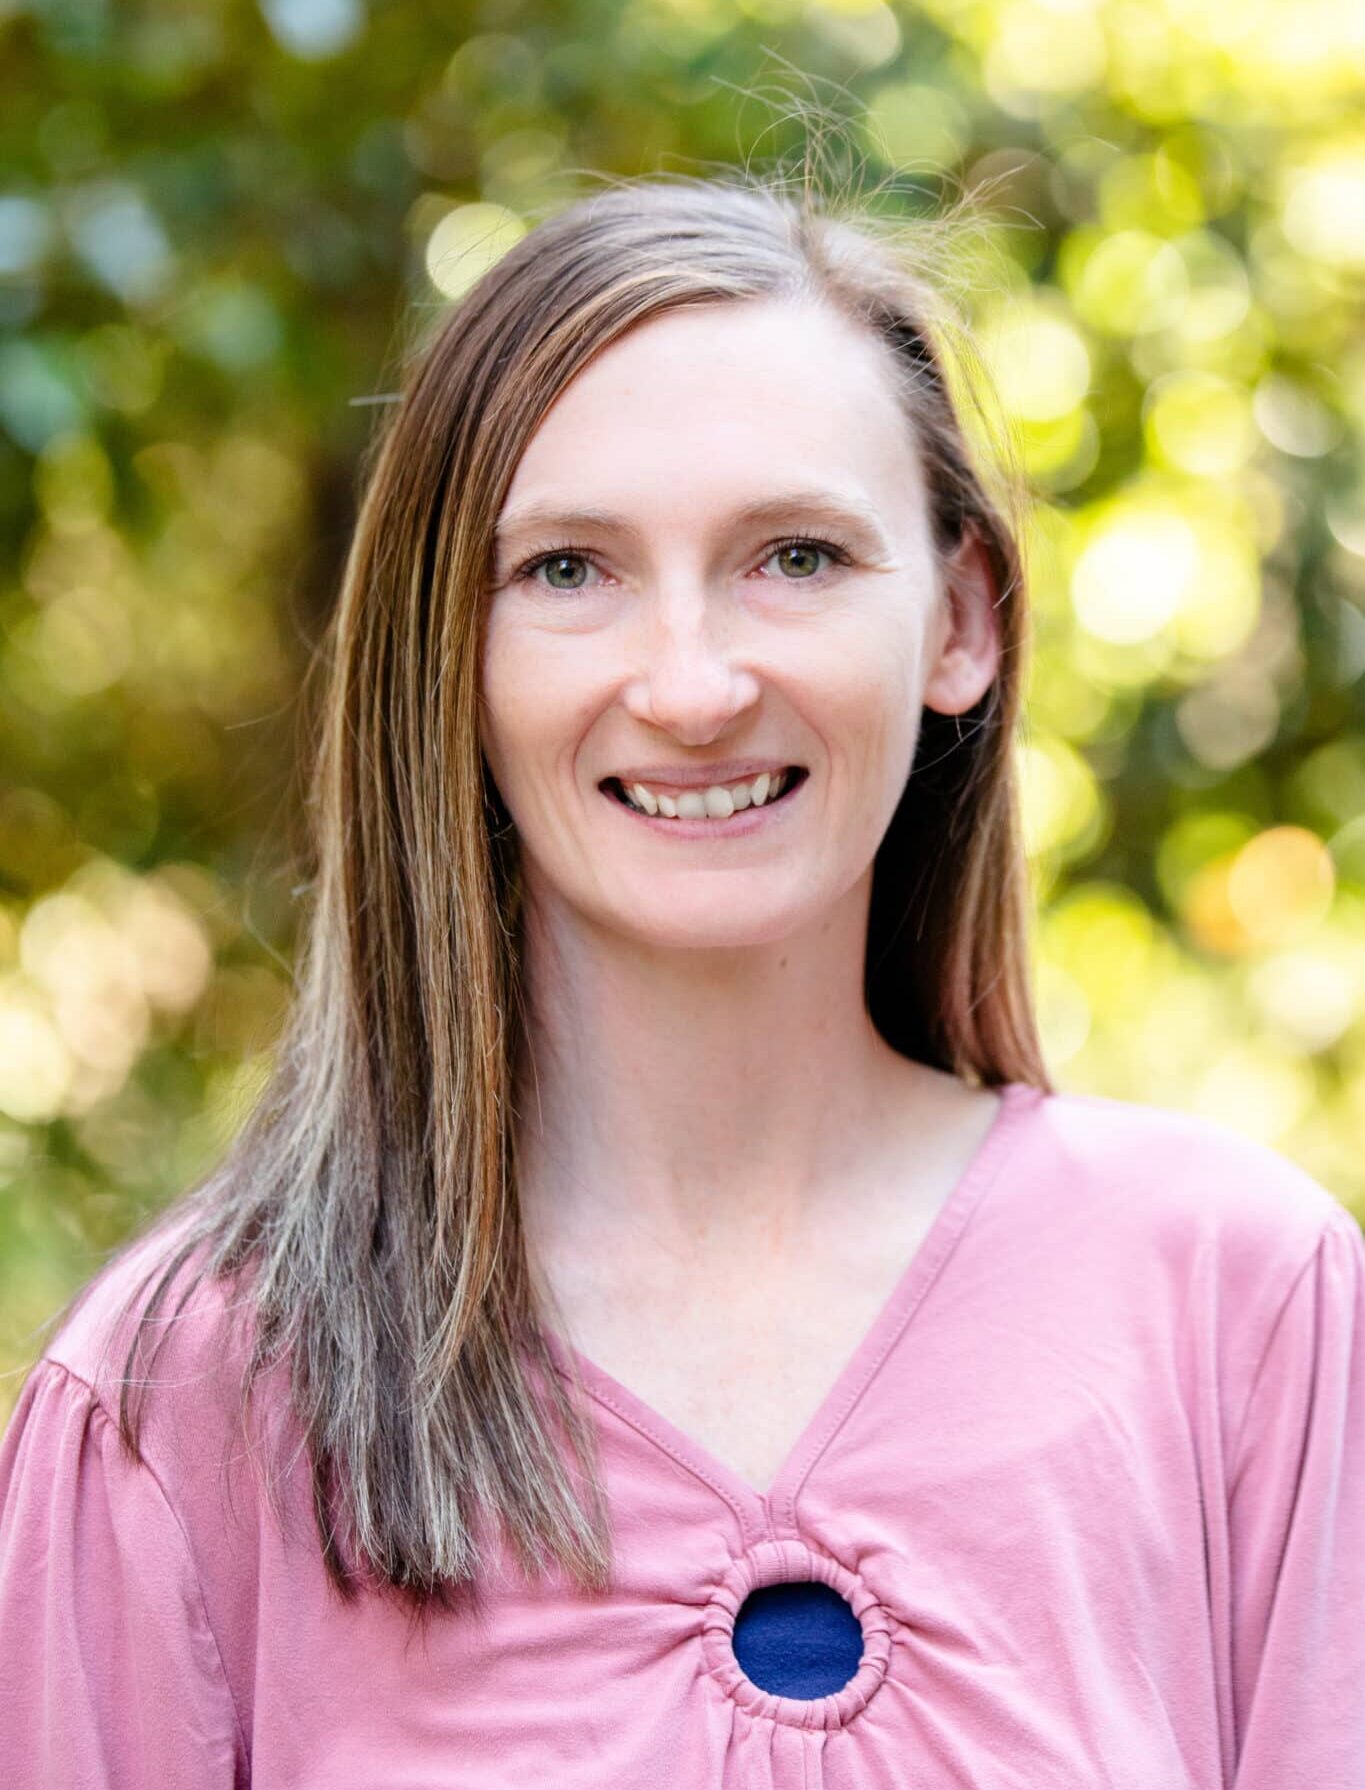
(1092, 1484)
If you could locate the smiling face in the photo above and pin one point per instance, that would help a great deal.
(714, 562)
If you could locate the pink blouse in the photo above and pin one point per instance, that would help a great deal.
(1093, 1485)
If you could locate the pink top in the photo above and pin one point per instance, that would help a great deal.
(1093, 1484)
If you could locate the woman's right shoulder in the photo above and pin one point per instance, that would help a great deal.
(182, 1368)
(126, 1584)
(100, 1323)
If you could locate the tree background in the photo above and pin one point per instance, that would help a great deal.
(219, 223)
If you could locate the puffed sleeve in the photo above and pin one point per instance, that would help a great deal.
(1297, 1535)
(110, 1676)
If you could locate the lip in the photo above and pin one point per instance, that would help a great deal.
(684, 776)
(735, 826)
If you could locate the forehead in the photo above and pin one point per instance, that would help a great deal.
(715, 408)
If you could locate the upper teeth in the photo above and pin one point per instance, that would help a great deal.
(718, 801)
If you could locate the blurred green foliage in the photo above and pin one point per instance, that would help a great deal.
(217, 221)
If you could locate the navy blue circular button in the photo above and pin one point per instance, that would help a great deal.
(798, 1639)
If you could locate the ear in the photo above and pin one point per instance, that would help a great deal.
(966, 631)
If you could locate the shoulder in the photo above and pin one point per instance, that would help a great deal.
(1189, 1190)
(225, 1474)
(100, 1319)
(70, 1410)
(150, 1323)
(130, 1575)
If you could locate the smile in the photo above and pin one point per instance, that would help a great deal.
(737, 808)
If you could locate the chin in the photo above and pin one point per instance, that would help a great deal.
(711, 922)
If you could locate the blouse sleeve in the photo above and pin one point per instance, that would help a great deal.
(109, 1673)
(1297, 1534)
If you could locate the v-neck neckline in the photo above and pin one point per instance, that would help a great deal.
(768, 1513)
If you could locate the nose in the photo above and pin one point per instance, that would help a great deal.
(690, 681)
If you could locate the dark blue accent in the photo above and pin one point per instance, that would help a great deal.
(797, 1640)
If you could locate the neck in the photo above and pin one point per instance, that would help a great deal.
(698, 1098)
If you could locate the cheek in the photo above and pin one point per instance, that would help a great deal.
(535, 707)
(864, 689)
(508, 717)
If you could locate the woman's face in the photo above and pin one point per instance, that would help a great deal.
(715, 564)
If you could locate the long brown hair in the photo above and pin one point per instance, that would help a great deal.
(371, 1193)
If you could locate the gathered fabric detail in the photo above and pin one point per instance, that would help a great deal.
(783, 1561)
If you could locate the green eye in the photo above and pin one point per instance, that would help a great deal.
(805, 549)
(801, 550)
(557, 563)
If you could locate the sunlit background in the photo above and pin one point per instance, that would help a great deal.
(217, 223)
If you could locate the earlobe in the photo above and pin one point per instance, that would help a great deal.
(969, 654)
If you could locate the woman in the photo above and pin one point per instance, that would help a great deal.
(660, 1263)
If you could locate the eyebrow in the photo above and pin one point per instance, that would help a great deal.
(851, 512)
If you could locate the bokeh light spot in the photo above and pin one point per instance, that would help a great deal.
(467, 242)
